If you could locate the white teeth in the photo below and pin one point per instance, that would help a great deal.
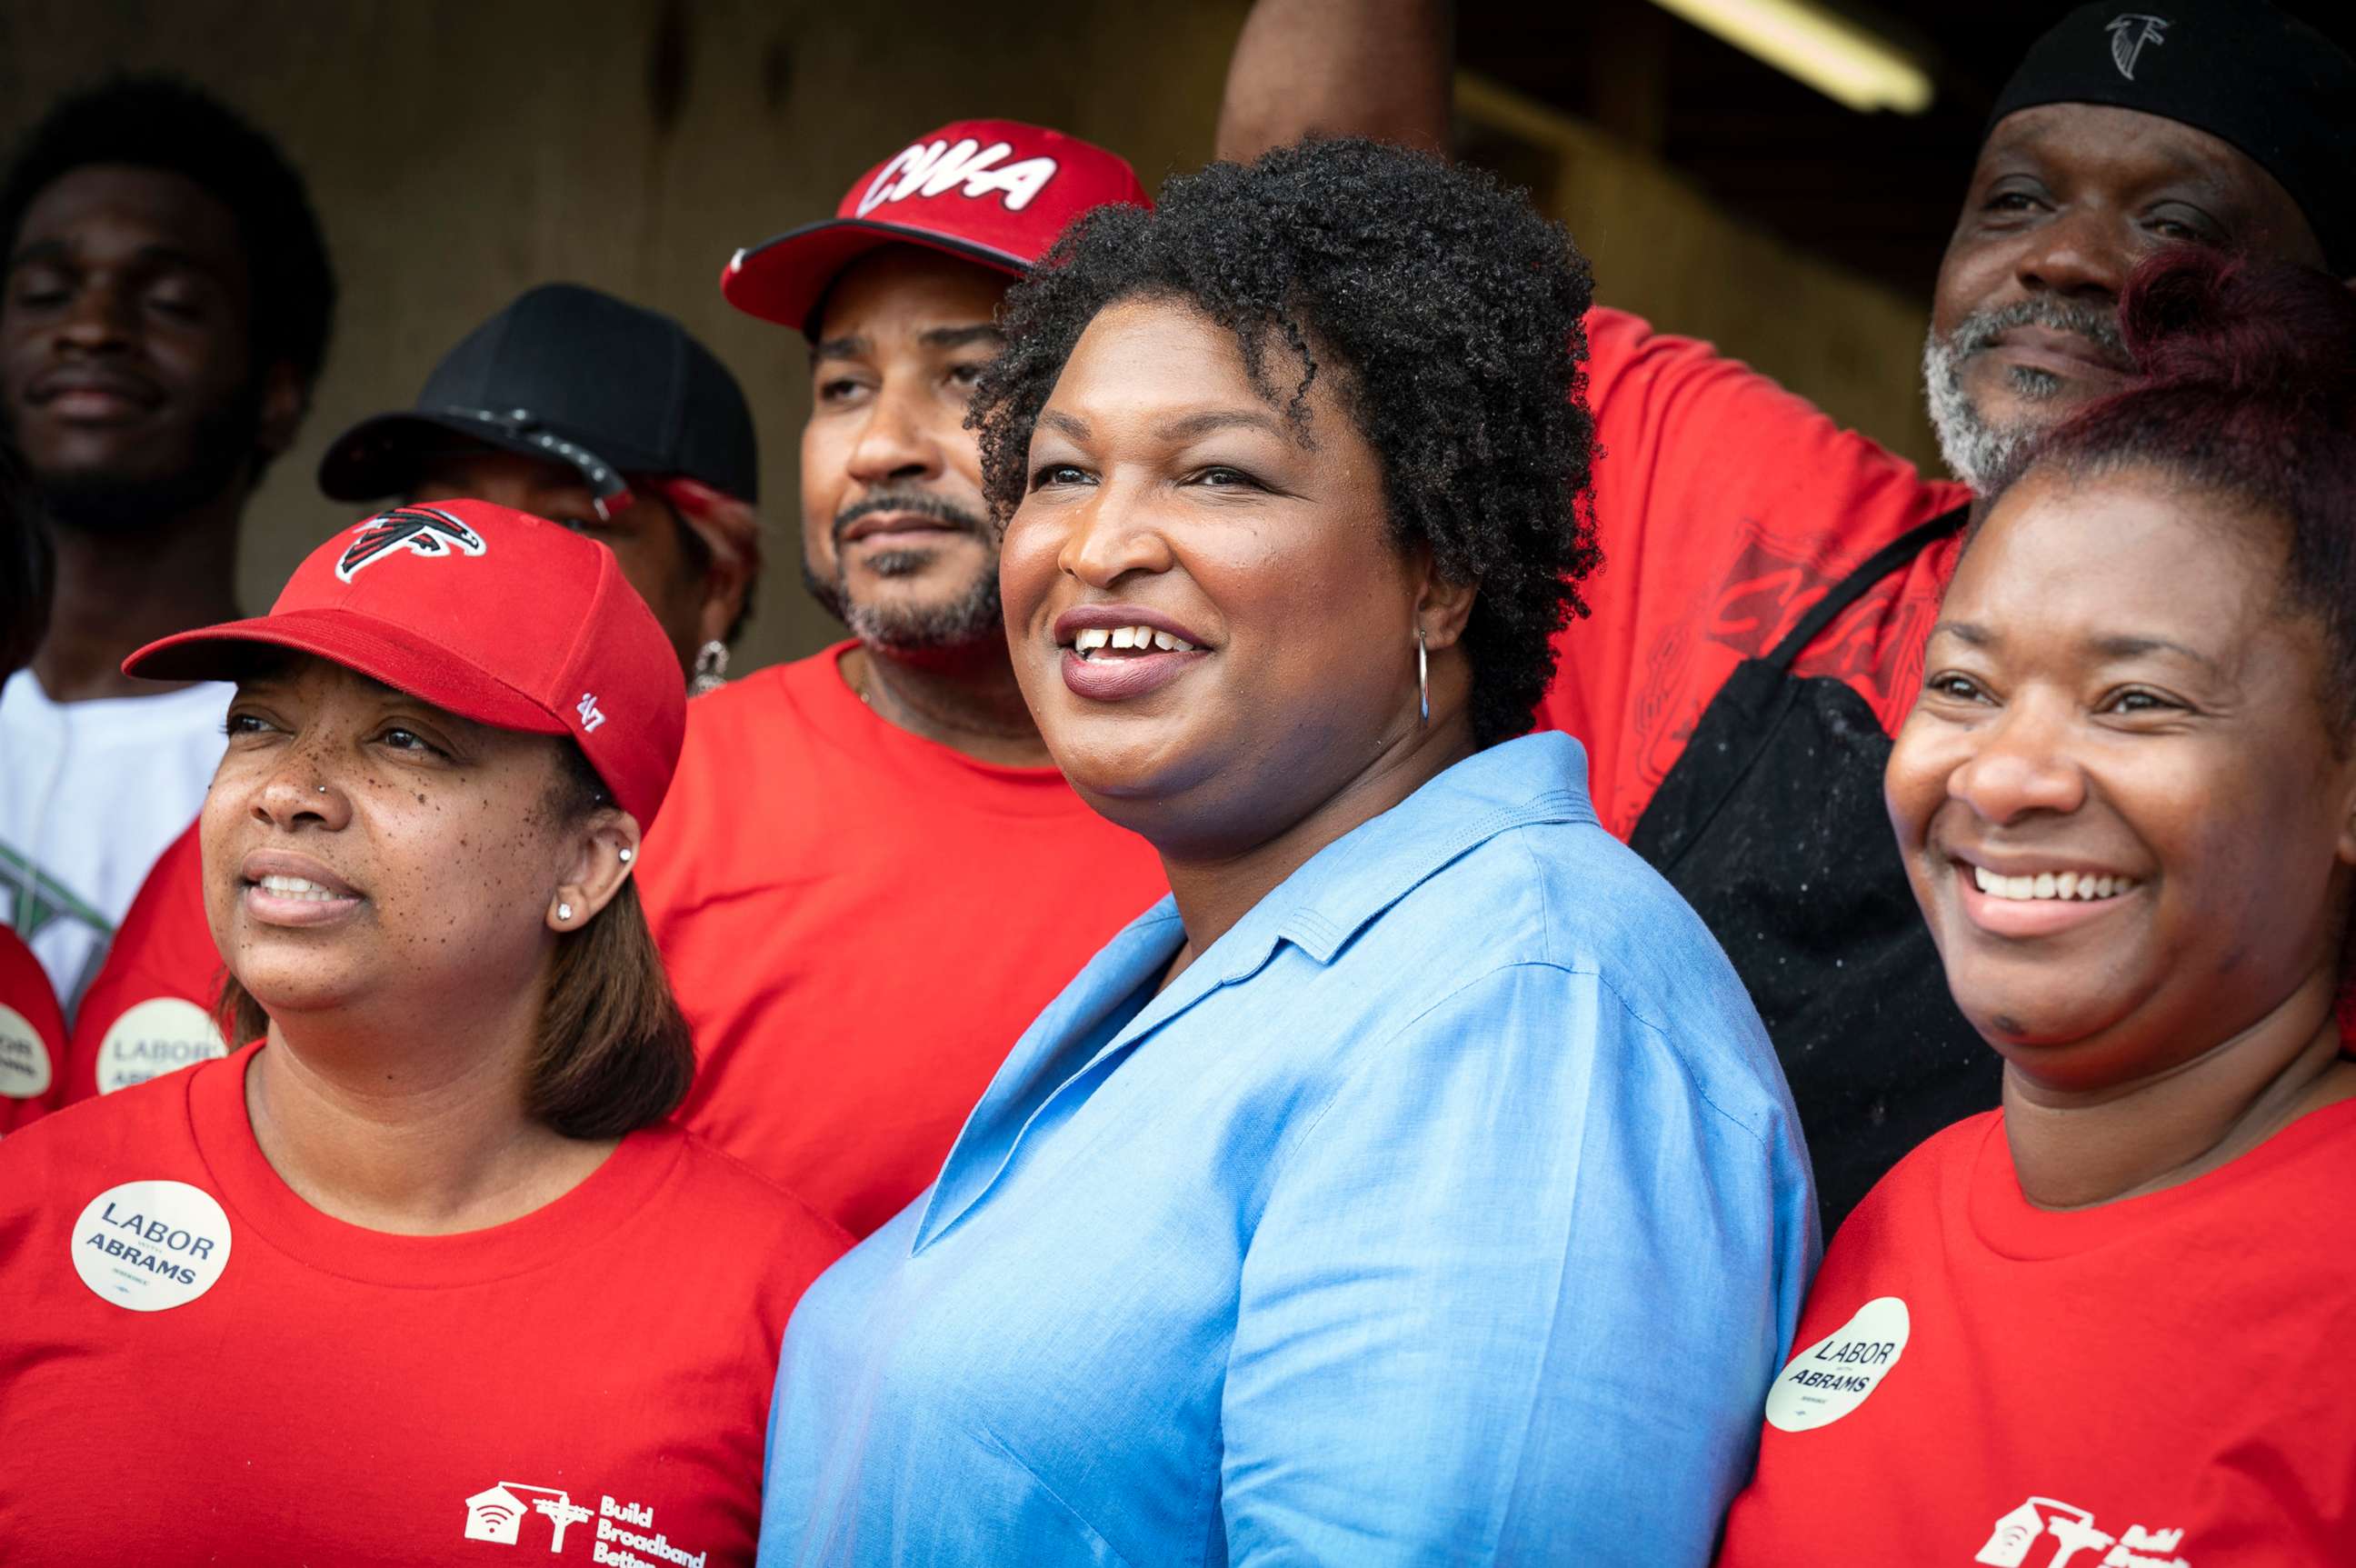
(1142, 639)
(296, 887)
(2049, 885)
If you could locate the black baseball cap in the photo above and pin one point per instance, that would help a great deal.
(571, 374)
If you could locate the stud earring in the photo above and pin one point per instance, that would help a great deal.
(565, 911)
(626, 855)
(1422, 678)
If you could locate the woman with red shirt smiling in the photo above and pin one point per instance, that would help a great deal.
(2108, 1324)
(420, 1274)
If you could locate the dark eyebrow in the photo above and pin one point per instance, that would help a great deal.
(149, 256)
(2113, 647)
(1192, 426)
(40, 251)
(2136, 647)
(959, 336)
(856, 346)
(1070, 424)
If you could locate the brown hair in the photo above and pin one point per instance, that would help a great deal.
(612, 1053)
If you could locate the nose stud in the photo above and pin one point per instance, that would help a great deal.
(323, 788)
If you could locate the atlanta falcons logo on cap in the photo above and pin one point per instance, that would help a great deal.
(420, 530)
(2129, 33)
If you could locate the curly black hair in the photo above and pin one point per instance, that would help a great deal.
(1449, 312)
(161, 122)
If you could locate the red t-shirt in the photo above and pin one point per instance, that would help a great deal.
(859, 924)
(200, 1367)
(149, 1009)
(1726, 506)
(2161, 1381)
(32, 1035)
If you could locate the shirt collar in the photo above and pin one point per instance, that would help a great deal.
(1536, 779)
(1341, 889)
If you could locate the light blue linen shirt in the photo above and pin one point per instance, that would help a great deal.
(1450, 1209)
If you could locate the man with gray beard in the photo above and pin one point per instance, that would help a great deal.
(869, 877)
(1770, 579)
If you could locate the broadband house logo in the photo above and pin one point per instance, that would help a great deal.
(625, 1536)
(2076, 1540)
(498, 1515)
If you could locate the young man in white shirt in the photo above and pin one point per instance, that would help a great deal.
(167, 310)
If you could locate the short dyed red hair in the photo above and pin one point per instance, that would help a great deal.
(2247, 388)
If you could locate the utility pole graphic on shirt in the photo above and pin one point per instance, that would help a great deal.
(496, 1515)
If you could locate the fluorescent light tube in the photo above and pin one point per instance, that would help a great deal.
(1830, 53)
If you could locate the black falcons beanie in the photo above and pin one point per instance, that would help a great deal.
(2243, 71)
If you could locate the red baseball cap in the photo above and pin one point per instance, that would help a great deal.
(992, 191)
(490, 614)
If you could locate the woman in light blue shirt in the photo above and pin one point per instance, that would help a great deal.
(1415, 1184)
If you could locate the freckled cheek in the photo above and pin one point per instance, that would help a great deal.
(449, 877)
(226, 829)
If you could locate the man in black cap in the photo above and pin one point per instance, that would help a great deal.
(578, 407)
(1770, 578)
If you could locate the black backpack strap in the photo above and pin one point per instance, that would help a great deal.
(1858, 584)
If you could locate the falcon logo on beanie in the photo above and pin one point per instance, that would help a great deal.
(2129, 34)
(420, 530)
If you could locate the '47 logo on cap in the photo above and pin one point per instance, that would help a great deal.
(420, 530)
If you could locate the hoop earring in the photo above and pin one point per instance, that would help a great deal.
(711, 669)
(1422, 679)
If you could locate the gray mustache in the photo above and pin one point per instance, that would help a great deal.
(1978, 332)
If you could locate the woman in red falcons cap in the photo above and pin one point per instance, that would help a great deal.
(418, 1267)
(567, 403)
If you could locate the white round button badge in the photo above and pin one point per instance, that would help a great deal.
(24, 1070)
(1833, 1376)
(155, 1037)
(149, 1246)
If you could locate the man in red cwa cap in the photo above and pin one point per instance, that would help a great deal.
(873, 878)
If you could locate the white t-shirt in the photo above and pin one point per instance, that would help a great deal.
(90, 793)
